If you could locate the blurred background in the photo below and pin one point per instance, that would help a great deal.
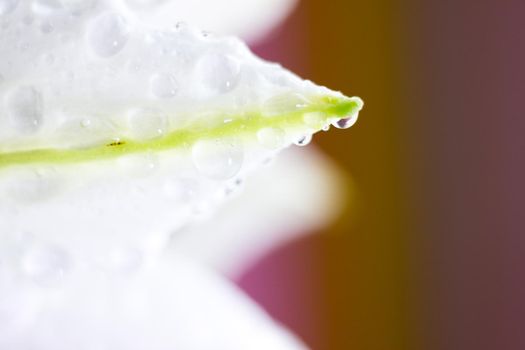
(429, 253)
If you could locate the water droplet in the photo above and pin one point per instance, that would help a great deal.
(180, 26)
(272, 138)
(219, 159)
(146, 123)
(108, 34)
(25, 109)
(217, 73)
(7, 6)
(85, 123)
(46, 265)
(304, 140)
(346, 123)
(46, 27)
(140, 165)
(284, 104)
(164, 85)
(233, 187)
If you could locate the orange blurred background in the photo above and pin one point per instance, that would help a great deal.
(429, 252)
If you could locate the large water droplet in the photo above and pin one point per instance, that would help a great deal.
(25, 109)
(7, 6)
(271, 138)
(164, 85)
(219, 159)
(346, 123)
(217, 73)
(108, 34)
(45, 265)
(146, 123)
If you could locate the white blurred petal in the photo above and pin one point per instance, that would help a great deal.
(251, 20)
(300, 192)
(175, 305)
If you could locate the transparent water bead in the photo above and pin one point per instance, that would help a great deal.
(7, 6)
(25, 109)
(46, 265)
(46, 27)
(271, 138)
(218, 159)
(164, 85)
(108, 34)
(346, 123)
(147, 123)
(304, 140)
(218, 73)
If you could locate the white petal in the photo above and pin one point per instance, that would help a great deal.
(300, 192)
(251, 20)
(176, 305)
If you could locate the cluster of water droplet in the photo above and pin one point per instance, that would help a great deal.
(92, 69)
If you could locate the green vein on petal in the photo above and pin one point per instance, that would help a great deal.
(330, 108)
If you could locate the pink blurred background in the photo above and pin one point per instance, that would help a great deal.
(430, 253)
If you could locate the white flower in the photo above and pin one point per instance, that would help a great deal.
(122, 144)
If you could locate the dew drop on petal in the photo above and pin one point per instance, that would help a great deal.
(146, 123)
(346, 123)
(218, 73)
(218, 159)
(46, 27)
(25, 109)
(271, 138)
(7, 6)
(108, 34)
(304, 140)
(164, 85)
